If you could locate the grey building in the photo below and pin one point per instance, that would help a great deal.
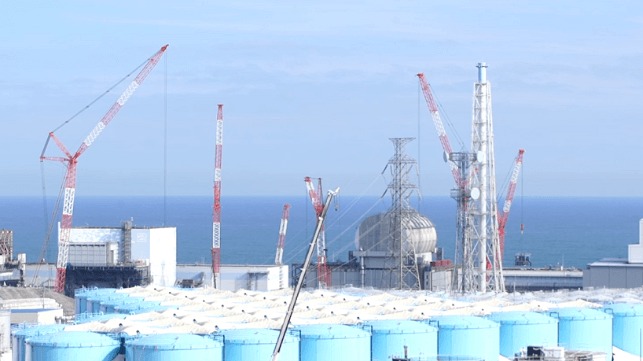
(618, 272)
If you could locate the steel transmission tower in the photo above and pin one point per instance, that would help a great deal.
(400, 213)
(482, 182)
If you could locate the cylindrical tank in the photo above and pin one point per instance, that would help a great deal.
(467, 336)
(78, 296)
(258, 344)
(135, 307)
(5, 330)
(94, 294)
(100, 318)
(81, 302)
(19, 337)
(521, 329)
(93, 304)
(388, 338)
(584, 329)
(334, 342)
(168, 347)
(73, 345)
(626, 326)
(110, 305)
(113, 299)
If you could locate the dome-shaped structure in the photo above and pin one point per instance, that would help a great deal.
(373, 233)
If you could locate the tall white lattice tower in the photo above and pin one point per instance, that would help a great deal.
(483, 189)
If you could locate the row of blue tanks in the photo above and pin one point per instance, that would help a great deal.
(482, 338)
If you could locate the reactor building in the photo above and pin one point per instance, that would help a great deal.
(395, 249)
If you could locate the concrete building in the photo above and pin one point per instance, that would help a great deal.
(235, 277)
(127, 245)
(618, 272)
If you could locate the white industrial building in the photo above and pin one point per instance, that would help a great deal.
(103, 247)
(109, 246)
(237, 277)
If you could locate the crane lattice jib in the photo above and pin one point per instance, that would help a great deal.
(439, 126)
(323, 274)
(504, 217)
(283, 227)
(72, 160)
(216, 213)
(512, 185)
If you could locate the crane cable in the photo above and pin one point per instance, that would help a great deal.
(49, 222)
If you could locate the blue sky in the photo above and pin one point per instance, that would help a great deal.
(317, 88)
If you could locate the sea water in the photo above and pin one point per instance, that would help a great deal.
(573, 231)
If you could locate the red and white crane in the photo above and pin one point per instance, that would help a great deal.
(323, 274)
(442, 134)
(511, 190)
(71, 161)
(282, 235)
(216, 213)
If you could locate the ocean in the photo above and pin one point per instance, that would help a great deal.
(569, 231)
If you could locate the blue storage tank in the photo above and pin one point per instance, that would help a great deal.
(467, 336)
(110, 305)
(20, 336)
(388, 338)
(521, 329)
(79, 297)
(132, 308)
(75, 345)
(93, 294)
(169, 347)
(112, 300)
(91, 317)
(93, 304)
(258, 344)
(626, 326)
(334, 342)
(584, 329)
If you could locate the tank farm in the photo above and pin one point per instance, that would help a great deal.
(463, 313)
(159, 323)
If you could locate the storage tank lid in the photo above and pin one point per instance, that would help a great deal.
(40, 330)
(400, 326)
(462, 322)
(73, 339)
(174, 341)
(255, 336)
(578, 313)
(118, 301)
(329, 331)
(521, 318)
(625, 309)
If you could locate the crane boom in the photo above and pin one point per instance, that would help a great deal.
(323, 274)
(216, 213)
(302, 276)
(282, 235)
(504, 216)
(437, 121)
(71, 162)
